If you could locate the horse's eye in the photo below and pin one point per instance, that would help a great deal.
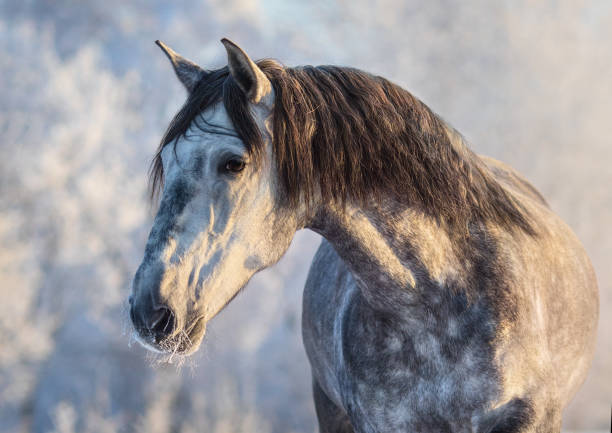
(234, 165)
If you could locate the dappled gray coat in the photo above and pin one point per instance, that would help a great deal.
(446, 296)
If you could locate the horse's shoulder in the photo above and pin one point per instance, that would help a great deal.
(326, 269)
(327, 293)
(326, 255)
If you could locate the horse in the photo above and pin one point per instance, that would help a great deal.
(446, 296)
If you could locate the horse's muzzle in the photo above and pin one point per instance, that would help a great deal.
(156, 326)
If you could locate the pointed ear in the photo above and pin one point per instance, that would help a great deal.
(187, 72)
(247, 74)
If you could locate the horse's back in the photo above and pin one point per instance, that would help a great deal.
(512, 179)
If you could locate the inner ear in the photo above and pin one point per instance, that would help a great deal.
(245, 77)
(249, 77)
(187, 72)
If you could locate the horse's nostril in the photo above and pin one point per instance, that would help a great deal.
(161, 323)
(133, 315)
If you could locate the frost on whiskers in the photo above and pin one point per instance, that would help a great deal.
(171, 351)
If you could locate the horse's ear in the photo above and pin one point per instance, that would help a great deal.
(187, 72)
(247, 74)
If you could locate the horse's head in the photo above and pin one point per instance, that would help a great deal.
(219, 219)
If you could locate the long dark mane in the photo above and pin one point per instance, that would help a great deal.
(352, 136)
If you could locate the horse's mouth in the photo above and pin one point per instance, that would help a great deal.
(185, 342)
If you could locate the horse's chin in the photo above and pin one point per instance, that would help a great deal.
(184, 343)
(195, 337)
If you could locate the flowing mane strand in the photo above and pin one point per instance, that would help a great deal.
(352, 136)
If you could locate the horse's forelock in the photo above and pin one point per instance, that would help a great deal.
(214, 87)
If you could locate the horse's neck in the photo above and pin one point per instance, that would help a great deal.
(387, 248)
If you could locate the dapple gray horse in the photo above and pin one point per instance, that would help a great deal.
(446, 296)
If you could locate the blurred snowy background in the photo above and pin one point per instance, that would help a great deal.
(84, 98)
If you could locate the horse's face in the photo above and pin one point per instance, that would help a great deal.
(218, 223)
